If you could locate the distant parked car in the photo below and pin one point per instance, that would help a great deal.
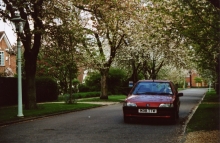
(152, 99)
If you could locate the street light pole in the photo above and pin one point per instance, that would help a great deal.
(19, 60)
(19, 24)
(190, 78)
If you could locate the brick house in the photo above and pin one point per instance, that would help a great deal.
(193, 74)
(7, 56)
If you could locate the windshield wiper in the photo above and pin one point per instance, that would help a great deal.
(150, 93)
(163, 93)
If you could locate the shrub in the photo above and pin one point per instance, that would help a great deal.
(93, 81)
(115, 81)
(86, 94)
(65, 97)
(83, 88)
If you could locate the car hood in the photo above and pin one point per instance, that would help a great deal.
(150, 98)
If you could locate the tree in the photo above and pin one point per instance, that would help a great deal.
(157, 43)
(107, 24)
(198, 80)
(198, 22)
(170, 72)
(62, 56)
(38, 15)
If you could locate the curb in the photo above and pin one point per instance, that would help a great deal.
(183, 134)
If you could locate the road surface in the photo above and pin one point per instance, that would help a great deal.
(101, 125)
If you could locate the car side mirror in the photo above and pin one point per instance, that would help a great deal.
(180, 94)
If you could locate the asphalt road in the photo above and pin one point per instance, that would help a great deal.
(101, 125)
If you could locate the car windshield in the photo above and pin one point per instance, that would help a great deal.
(153, 88)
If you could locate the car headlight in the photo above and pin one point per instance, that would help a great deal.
(166, 105)
(130, 104)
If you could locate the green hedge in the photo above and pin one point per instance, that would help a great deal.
(9, 91)
(46, 90)
(86, 94)
(79, 95)
(65, 97)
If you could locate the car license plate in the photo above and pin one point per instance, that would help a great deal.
(147, 110)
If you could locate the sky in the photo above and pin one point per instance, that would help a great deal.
(9, 32)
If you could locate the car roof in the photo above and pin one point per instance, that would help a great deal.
(158, 80)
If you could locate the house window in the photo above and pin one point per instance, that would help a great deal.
(2, 61)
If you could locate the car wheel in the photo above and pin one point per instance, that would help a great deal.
(126, 119)
(174, 117)
(177, 114)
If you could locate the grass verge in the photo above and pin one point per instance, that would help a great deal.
(9, 114)
(206, 116)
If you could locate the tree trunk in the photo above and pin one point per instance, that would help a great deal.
(104, 87)
(134, 74)
(218, 76)
(153, 70)
(70, 88)
(30, 70)
(216, 3)
(144, 70)
(218, 61)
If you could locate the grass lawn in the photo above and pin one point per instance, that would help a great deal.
(10, 113)
(206, 116)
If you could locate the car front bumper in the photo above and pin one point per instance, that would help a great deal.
(161, 112)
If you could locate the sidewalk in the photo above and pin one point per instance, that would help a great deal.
(101, 103)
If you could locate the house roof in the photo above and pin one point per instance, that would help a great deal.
(4, 37)
(1, 35)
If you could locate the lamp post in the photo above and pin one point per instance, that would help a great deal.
(184, 82)
(190, 79)
(19, 25)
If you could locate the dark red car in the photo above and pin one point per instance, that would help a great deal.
(152, 99)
